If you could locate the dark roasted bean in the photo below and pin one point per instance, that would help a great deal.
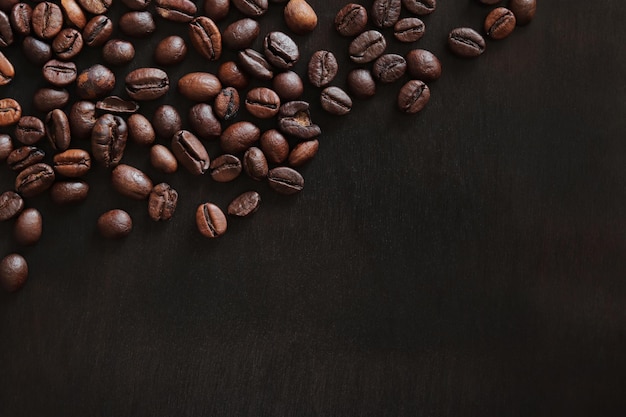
(97, 31)
(280, 50)
(67, 44)
(140, 130)
(252, 8)
(524, 10)
(322, 68)
(367, 47)
(239, 136)
(241, 33)
(147, 83)
(34, 179)
(226, 103)
(466, 42)
(96, 6)
(420, 7)
(115, 224)
(162, 202)
(25, 156)
(190, 152)
(335, 101)
(410, 29)
(58, 130)
(131, 182)
(59, 73)
(303, 152)
(216, 9)
(163, 159)
(69, 192)
(206, 38)
(21, 16)
(137, 24)
(389, 68)
(413, 96)
(274, 146)
(361, 83)
(95, 82)
(225, 168)
(262, 102)
(288, 85)
(181, 11)
(294, 119)
(423, 65)
(199, 86)
(82, 119)
(255, 64)
(118, 52)
(72, 163)
(230, 75)
(170, 51)
(117, 105)
(166, 121)
(108, 140)
(47, 99)
(28, 227)
(204, 122)
(255, 164)
(245, 204)
(210, 220)
(29, 130)
(10, 112)
(285, 180)
(47, 20)
(36, 51)
(385, 13)
(74, 14)
(11, 204)
(13, 272)
(499, 23)
(351, 20)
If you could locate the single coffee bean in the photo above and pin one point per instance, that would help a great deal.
(115, 224)
(288, 85)
(170, 51)
(231, 75)
(97, 31)
(225, 168)
(367, 47)
(118, 52)
(322, 68)
(131, 182)
(294, 119)
(20, 17)
(48, 99)
(10, 112)
(255, 64)
(241, 33)
(499, 23)
(300, 16)
(385, 13)
(69, 192)
(239, 136)
(72, 163)
(252, 8)
(96, 6)
(410, 29)
(420, 7)
(280, 50)
(423, 65)
(47, 20)
(303, 152)
(204, 122)
(28, 227)
(226, 103)
(6, 31)
(29, 130)
(274, 146)
(210, 220)
(524, 10)
(59, 73)
(58, 130)
(117, 105)
(166, 121)
(13, 272)
(137, 4)
(389, 68)
(74, 14)
(147, 83)
(67, 44)
(216, 9)
(108, 140)
(199, 86)
(95, 82)
(25, 156)
(466, 43)
(162, 202)
(140, 130)
(11, 204)
(182, 11)
(163, 159)
(34, 180)
(413, 96)
(137, 24)
(36, 51)
(6, 146)
(335, 101)
(285, 180)
(206, 38)
(7, 72)
(361, 83)
(82, 119)
(245, 204)
(351, 20)
(262, 102)
(255, 164)
(190, 152)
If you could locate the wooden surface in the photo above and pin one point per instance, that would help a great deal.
(466, 261)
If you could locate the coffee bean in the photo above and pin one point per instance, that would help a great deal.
(255, 164)
(162, 202)
(96, 6)
(216, 9)
(245, 204)
(58, 130)
(6, 146)
(13, 272)
(117, 105)
(255, 64)
(335, 101)
(28, 227)
(466, 42)
(34, 180)
(385, 13)
(410, 29)
(288, 85)
(231, 75)
(280, 50)
(204, 122)
(524, 10)
(499, 23)
(97, 31)
(140, 130)
(176, 10)
(137, 4)
(10, 112)
(294, 119)
(82, 119)
(322, 68)
(6, 31)
(199, 86)
(137, 24)
(118, 52)
(170, 51)
(74, 14)
(21, 16)
(72, 163)
(225, 168)
(389, 68)
(95, 82)
(108, 140)
(420, 7)
(351, 20)
(285, 180)
(11, 204)
(413, 96)
(163, 159)
(59, 73)
(25, 156)
(239, 136)
(423, 65)
(210, 220)
(367, 47)
(47, 20)
(226, 104)
(7, 72)
(206, 38)
(241, 33)
(69, 192)
(166, 121)
(147, 83)
(190, 152)
(262, 102)
(29, 130)
(274, 146)
(303, 152)
(115, 224)
(67, 44)
(36, 51)
(48, 99)
(361, 83)
(131, 182)
(253, 8)
(300, 16)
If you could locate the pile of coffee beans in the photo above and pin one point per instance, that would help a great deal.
(77, 107)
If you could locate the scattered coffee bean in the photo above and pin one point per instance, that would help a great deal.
(274, 146)
(163, 159)
(262, 102)
(410, 29)
(303, 152)
(6, 31)
(367, 47)
(36, 51)
(115, 224)
(29, 130)
(108, 140)
(28, 227)
(21, 16)
(423, 65)
(413, 96)
(181, 11)
(241, 33)
(389, 68)
(255, 64)
(82, 119)
(131, 182)
(25, 156)
(72, 163)
(74, 14)
(47, 20)
(226, 103)
(280, 50)
(239, 136)
(95, 82)
(285, 180)
(294, 119)
(420, 7)
(96, 6)
(199, 86)
(466, 42)
(140, 130)
(170, 51)
(69, 192)
(206, 38)
(351, 20)
(300, 16)
(524, 10)
(166, 121)
(13, 272)
(252, 8)
(216, 9)
(97, 31)
(6, 146)
(190, 152)
(10, 112)
(361, 83)
(204, 122)
(67, 44)
(230, 75)
(7, 72)
(385, 13)
(162, 202)
(322, 68)
(288, 85)
(335, 101)
(117, 105)
(59, 73)
(48, 99)
(255, 164)
(210, 220)
(245, 204)
(118, 52)
(225, 168)
(58, 130)
(499, 23)
(34, 180)
(147, 84)
(137, 24)
(11, 204)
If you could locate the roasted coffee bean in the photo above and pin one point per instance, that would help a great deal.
(216, 9)
(423, 65)
(74, 14)
(226, 103)
(285, 180)
(199, 86)
(6, 146)
(361, 83)
(410, 29)
(21, 16)
(210, 220)
(255, 64)
(245, 204)
(72, 163)
(11, 204)
(181, 11)
(204, 122)
(96, 6)
(7, 72)
(389, 68)
(524, 10)
(262, 102)
(115, 224)
(10, 112)
(385, 13)
(255, 164)
(288, 85)
(335, 101)
(162, 202)
(67, 44)
(48, 99)
(117, 105)
(97, 31)
(206, 38)
(420, 7)
(499, 23)
(190, 152)
(351, 19)
(58, 130)
(95, 82)
(171, 50)
(322, 68)
(413, 96)
(69, 192)
(137, 4)
(274, 146)
(137, 24)
(108, 140)
(252, 8)
(294, 119)
(225, 168)
(131, 182)
(6, 31)
(140, 130)
(230, 75)
(59, 73)
(82, 119)
(34, 179)
(13, 272)
(47, 20)
(36, 51)
(303, 152)
(300, 16)
(118, 52)
(367, 47)
(28, 227)
(163, 159)
(166, 121)
(466, 42)
(280, 50)
(147, 83)
(239, 136)
(25, 156)
(241, 33)
(29, 130)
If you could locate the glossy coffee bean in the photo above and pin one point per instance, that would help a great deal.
(69, 192)
(67, 44)
(367, 47)
(34, 180)
(140, 130)
(72, 163)
(47, 20)
(59, 73)
(147, 84)
(204, 122)
(262, 102)
(410, 29)
(226, 104)
(524, 10)
(10, 112)
(137, 24)
(420, 7)
(216, 9)
(294, 119)
(231, 75)
(361, 83)
(11, 204)
(20, 17)
(423, 65)
(6, 31)
(96, 6)
(322, 68)
(239, 136)
(97, 31)
(82, 119)
(29, 130)
(255, 164)
(25, 156)
(255, 64)
(36, 51)
(280, 50)
(252, 8)
(117, 105)
(206, 38)
(162, 202)
(225, 168)
(181, 11)
(95, 82)
(288, 85)
(115, 224)
(389, 68)
(74, 14)
(335, 101)
(131, 182)
(166, 121)
(245, 204)
(28, 227)
(170, 51)
(163, 159)
(48, 99)
(240, 34)
(58, 130)
(499, 23)
(7, 72)
(466, 43)
(300, 16)
(108, 140)
(275, 146)
(413, 96)
(199, 86)
(303, 152)
(13, 272)
(285, 180)
(385, 13)
(351, 20)
(118, 52)
(210, 220)
(6, 146)
(190, 152)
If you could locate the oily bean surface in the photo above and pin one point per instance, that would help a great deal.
(28, 227)
(162, 202)
(385, 13)
(280, 50)
(275, 146)
(166, 121)
(239, 136)
(245, 204)
(225, 168)
(13, 272)
(170, 51)
(206, 37)
(10, 112)
(423, 65)
(255, 164)
(190, 152)
(11, 204)
(34, 179)
(413, 96)
(115, 224)
(210, 220)
(108, 140)
(466, 43)
(24, 156)
(241, 33)
(29, 130)
(303, 152)
(335, 101)
(499, 23)
(72, 163)
(367, 47)
(524, 10)
(131, 182)
(262, 102)
(285, 180)
(322, 68)
(69, 192)
(351, 20)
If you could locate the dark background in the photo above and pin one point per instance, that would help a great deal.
(466, 261)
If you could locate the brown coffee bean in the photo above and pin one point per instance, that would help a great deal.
(108, 140)
(69, 192)
(280, 50)
(6, 31)
(170, 51)
(10, 112)
(166, 121)
(335, 101)
(190, 152)
(6, 146)
(7, 72)
(82, 119)
(97, 31)
(255, 164)
(420, 7)
(322, 68)
(303, 152)
(252, 8)
(162, 202)
(240, 34)
(48, 99)
(29, 130)
(351, 20)
(137, 24)
(524, 10)
(288, 85)
(367, 47)
(34, 180)
(117, 105)
(274, 146)
(239, 136)
(163, 159)
(216, 9)
(206, 38)
(199, 86)
(131, 182)
(58, 130)
(226, 104)
(74, 14)
(231, 76)
(181, 11)
(385, 13)
(140, 130)
(147, 83)
(294, 119)
(67, 44)
(423, 65)
(21, 16)
(262, 102)
(96, 6)
(499, 23)
(285, 180)
(118, 52)
(115, 224)
(13, 272)
(47, 20)
(59, 73)
(410, 29)
(95, 82)
(28, 227)
(204, 122)
(225, 168)
(466, 43)
(389, 68)
(72, 163)
(24, 156)
(245, 204)
(210, 220)
(361, 83)
(300, 16)
(413, 96)
(36, 51)
(255, 64)
(11, 204)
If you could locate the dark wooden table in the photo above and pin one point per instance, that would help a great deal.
(466, 261)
